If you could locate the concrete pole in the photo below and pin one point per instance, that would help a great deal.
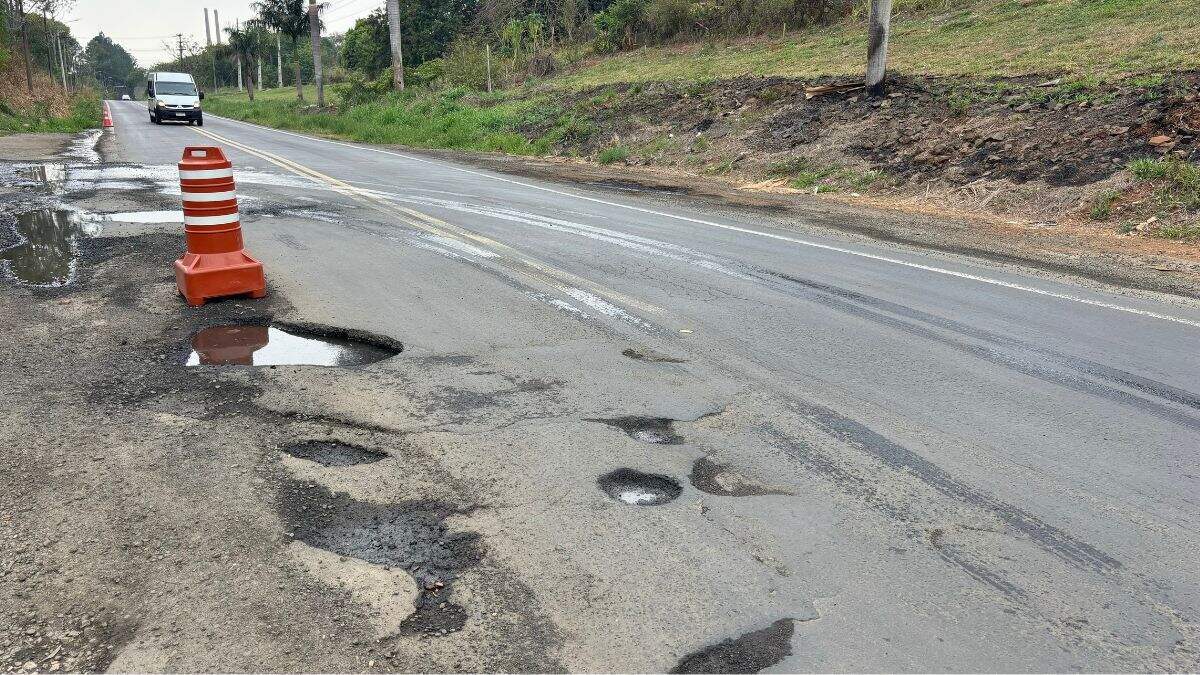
(393, 12)
(217, 25)
(237, 26)
(61, 64)
(259, 60)
(879, 22)
(207, 34)
(279, 59)
(314, 27)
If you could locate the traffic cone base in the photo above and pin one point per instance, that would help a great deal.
(215, 265)
(204, 276)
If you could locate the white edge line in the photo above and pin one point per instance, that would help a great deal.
(744, 230)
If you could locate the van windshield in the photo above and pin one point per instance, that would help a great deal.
(174, 89)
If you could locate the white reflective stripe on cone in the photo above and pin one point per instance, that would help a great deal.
(200, 174)
(211, 220)
(209, 196)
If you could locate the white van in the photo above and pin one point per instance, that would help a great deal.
(173, 97)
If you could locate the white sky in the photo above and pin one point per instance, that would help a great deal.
(142, 26)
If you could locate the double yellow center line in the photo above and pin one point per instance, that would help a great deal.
(508, 257)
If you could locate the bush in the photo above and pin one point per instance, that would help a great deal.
(617, 153)
(615, 26)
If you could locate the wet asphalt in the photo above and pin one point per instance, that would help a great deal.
(956, 465)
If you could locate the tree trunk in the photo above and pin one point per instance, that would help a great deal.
(314, 27)
(296, 63)
(49, 58)
(248, 61)
(25, 43)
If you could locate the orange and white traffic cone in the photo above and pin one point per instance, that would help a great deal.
(107, 116)
(216, 264)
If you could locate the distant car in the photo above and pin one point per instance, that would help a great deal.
(125, 97)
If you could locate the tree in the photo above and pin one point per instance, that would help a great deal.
(111, 65)
(250, 41)
(289, 17)
(365, 46)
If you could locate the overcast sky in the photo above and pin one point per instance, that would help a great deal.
(142, 26)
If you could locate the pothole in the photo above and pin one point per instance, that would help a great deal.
(748, 653)
(50, 173)
(725, 481)
(639, 489)
(247, 345)
(48, 252)
(334, 453)
(650, 356)
(411, 535)
(659, 430)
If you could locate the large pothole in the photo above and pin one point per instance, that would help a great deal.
(639, 489)
(250, 345)
(410, 535)
(48, 252)
(333, 453)
(725, 481)
(658, 430)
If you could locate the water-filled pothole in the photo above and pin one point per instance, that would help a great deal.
(333, 453)
(49, 173)
(725, 481)
(650, 356)
(639, 489)
(49, 248)
(659, 430)
(748, 653)
(270, 346)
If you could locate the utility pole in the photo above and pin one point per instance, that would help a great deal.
(61, 65)
(179, 41)
(393, 12)
(279, 58)
(238, 26)
(879, 21)
(258, 58)
(25, 43)
(314, 26)
(217, 24)
(207, 34)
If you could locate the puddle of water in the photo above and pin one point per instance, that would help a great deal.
(639, 489)
(48, 252)
(334, 453)
(270, 346)
(49, 173)
(657, 430)
(146, 216)
(748, 653)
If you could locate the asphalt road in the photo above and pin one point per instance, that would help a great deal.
(983, 468)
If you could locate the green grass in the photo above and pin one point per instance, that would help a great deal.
(445, 119)
(616, 153)
(1176, 182)
(84, 114)
(1103, 203)
(1095, 38)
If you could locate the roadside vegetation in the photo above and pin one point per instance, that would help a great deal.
(48, 108)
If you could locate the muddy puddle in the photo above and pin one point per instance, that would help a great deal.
(270, 346)
(47, 252)
(49, 173)
(639, 489)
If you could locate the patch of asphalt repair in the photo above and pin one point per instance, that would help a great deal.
(725, 481)
(650, 356)
(748, 653)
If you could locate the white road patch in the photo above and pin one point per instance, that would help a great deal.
(758, 233)
(459, 246)
(559, 304)
(146, 216)
(604, 307)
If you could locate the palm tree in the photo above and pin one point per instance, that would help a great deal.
(250, 42)
(289, 17)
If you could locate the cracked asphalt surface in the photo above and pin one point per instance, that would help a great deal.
(886, 459)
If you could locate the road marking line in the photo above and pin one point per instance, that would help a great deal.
(745, 230)
(542, 273)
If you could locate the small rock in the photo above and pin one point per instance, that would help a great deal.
(1159, 140)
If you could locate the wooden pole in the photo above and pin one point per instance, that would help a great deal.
(488, 47)
(879, 22)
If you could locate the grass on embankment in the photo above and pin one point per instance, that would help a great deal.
(416, 118)
(1097, 38)
(84, 114)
